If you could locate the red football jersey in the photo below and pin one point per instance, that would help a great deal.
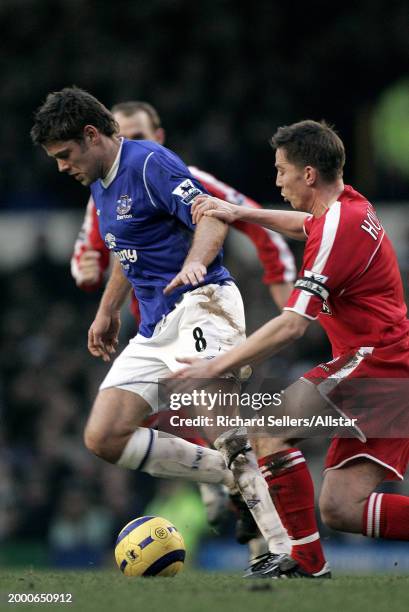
(89, 238)
(350, 277)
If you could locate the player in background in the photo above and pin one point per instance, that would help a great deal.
(350, 282)
(187, 299)
(140, 121)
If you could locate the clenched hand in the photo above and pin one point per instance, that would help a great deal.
(103, 335)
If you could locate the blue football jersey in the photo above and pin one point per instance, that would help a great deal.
(144, 218)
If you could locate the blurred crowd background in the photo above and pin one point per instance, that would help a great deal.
(223, 76)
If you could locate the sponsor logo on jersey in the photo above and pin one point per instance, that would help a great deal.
(124, 206)
(98, 212)
(110, 241)
(187, 191)
(127, 255)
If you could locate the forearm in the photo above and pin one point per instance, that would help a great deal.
(207, 241)
(116, 291)
(266, 341)
(280, 292)
(290, 223)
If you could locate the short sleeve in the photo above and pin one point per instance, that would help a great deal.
(307, 225)
(327, 265)
(337, 253)
(171, 186)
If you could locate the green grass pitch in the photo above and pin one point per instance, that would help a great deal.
(200, 591)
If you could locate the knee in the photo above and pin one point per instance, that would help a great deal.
(267, 446)
(332, 513)
(344, 515)
(341, 511)
(343, 497)
(101, 444)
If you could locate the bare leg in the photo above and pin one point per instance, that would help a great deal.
(345, 491)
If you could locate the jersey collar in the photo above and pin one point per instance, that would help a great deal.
(107, 180)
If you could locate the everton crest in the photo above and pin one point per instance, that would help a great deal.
(124, 204)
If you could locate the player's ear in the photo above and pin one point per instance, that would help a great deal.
(91, 134)
(310, 175)
(160, 135)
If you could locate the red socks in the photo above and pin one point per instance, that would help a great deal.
(292, 491)
(386, 515)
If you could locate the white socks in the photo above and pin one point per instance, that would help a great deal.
(167, 456)
(255, 493)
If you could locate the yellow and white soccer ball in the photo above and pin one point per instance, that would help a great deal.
(150, 546)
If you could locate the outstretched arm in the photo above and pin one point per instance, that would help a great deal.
(207, 242)
(103, 333)
(267, 340)
(272, 250)
(290, 223)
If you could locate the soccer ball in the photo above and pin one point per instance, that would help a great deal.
(150, 546)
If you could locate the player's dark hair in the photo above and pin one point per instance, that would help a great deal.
(133, 106)
(312, 143)
(65, 113)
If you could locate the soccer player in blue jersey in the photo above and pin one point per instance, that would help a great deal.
(189, 303)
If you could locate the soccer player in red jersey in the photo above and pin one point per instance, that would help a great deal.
(350, 282)
(140, 121)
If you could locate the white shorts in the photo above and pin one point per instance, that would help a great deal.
(205, 322)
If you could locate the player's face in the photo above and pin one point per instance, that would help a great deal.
(138, 127)
(291, 181)
(78, 159)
